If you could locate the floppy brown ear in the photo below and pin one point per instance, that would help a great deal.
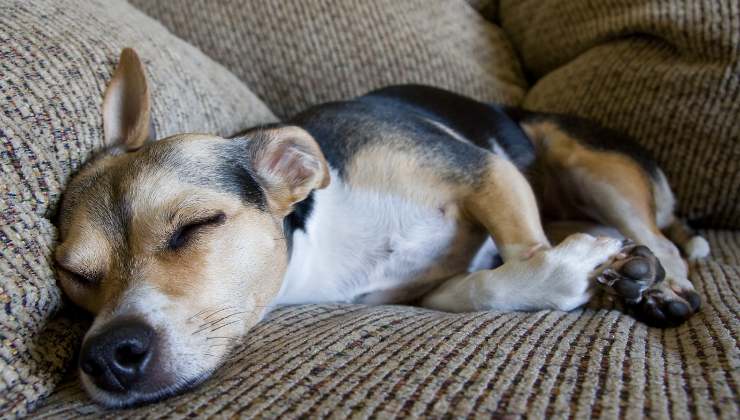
(126, 107)
(289, 165)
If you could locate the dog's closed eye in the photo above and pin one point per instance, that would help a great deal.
(85, 279)
(184, 233)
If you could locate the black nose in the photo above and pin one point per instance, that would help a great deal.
(116, 358)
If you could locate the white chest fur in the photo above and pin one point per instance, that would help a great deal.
(373, 247)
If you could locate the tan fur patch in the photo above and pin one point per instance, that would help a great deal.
(505, 204)
(561, 158)
(402, 173)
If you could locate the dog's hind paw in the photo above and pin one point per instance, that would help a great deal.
(639, 280)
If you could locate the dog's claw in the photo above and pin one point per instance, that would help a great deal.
(627, 242)
(635, 276)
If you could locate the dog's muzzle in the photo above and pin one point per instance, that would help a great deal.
(119, 358)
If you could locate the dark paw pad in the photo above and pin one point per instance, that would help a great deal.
(661, 308)
(632, 273)
(637, 278)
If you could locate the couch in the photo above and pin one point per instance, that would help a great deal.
(666, 72)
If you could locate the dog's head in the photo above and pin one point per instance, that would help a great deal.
(176, 246)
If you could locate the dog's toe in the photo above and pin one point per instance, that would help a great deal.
(660, 309)
(628, 289)
(636, 268)
(641, 251)
(693, 299)
(676, 309)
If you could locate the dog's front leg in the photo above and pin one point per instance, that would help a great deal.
(557, 278)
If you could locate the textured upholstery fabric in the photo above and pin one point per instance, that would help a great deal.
(296, 53)
(55, 59)
(341, 360)
(665, 71)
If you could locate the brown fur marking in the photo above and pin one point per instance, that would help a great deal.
(569, 163)
(505, 204)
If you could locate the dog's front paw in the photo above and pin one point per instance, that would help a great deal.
(638, 278)
(568, 267)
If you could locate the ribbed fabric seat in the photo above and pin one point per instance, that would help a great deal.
(350, 360)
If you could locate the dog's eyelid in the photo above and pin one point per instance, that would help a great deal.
(82, 278)
(181, 218)
(183, 232)
(211, 219)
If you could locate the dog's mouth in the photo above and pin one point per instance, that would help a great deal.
(133, 398)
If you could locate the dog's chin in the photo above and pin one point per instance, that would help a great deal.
(135, 398)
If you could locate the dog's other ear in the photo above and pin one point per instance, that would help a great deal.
(289, 165)
(126, 107)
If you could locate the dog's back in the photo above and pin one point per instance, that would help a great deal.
(427, 146)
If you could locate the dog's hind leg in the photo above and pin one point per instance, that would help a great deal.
(534, 275)
(578, 179)
(692, 245)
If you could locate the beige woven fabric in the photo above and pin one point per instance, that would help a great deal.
(55, 59)
(348, 360)
(667, 72)
(296, 53)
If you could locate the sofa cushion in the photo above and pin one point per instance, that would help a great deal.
(341, 360)
(55, 60)
(296, 53)
(666, 72)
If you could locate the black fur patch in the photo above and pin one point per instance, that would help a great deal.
(296, 220)
(236, 177)
(483, 124)
(235, 174)
(402, 118)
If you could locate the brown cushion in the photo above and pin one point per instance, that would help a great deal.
(55, 60)
(343, 360)
(295, 53)
(666, 72)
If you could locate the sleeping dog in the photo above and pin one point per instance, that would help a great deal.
(408, 194)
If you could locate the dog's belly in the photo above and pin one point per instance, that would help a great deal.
(373, 247)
